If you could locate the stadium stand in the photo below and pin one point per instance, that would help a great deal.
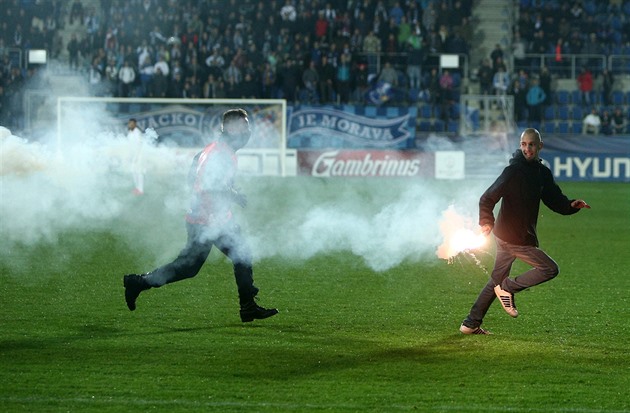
(262, 49)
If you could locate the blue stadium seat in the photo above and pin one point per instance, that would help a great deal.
(550, 127)
(455, 111)
(562, 97)
(576, 127)
(563, 127)
(424, 126)
(425, 112)
(576, 113)
(453, 126)
(576, 98)
(413, 95)
(563, 113)
(617, 97)
(438, 125)
(549, 113)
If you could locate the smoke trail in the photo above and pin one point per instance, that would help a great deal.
(383, 229)
(381, 222)
(46, 193)
(87, 186)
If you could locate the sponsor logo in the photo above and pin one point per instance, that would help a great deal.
(363, 163)
(592, 167)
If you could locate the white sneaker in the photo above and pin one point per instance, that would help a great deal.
(506, 299)
(467, 330)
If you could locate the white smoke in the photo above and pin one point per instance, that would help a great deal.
(87, 186)
(81, 181)
(49, 190)
(381, 229)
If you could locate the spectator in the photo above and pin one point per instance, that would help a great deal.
(519, 49)
(389, 75)
(343, 79)
(233, 72)
(519, 93)
(432, 87)
(447, 97)
(76, 12)
(591, 123)
(485, 76)
(268, 81)
(215, 59)
(618, 122)
(310, 80)
(159, 84)
(404, 31)
(111, 78)
(208, 90)
(497, 56)
(607, 81)
(535, 99)
(249, 88)
(371, 47)
(73, 52)
(126, 75)
(396, 13)
(591, 47)
(95, 78)
(415, 59)
(146, 75)
(545, 81)
(321, 27)
(606, 125)
(176, 87)
(585, 85)
(501, 82)
(288, 14)
(162, 65)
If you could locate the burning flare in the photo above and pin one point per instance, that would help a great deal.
(458, 237)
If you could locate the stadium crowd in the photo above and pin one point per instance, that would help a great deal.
(315, 51)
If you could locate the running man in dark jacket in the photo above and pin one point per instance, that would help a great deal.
(209, 222)
(521, 186)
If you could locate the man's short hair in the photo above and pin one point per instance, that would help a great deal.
(532, 132)
(233, 114)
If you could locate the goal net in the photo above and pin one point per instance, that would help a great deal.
(185, 125)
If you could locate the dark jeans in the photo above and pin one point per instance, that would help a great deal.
(544, 269)
(201, 239)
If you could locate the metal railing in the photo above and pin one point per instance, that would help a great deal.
(375, 61)
(619, 64)
(568, 67)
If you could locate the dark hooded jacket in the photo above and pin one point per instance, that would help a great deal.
(521, 186)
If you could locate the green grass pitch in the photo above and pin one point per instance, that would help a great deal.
(347, 339)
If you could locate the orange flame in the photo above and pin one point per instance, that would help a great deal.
(458, 237)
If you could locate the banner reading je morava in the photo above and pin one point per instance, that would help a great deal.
(358, 127)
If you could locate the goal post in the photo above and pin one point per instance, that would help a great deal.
(186, 124)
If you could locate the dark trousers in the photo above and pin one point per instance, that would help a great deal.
(544, 269)
(201, 239)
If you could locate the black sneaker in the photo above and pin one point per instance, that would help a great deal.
(252, 311)
(134, 285)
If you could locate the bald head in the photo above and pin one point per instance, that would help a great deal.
(531, 133)
(531, 144)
